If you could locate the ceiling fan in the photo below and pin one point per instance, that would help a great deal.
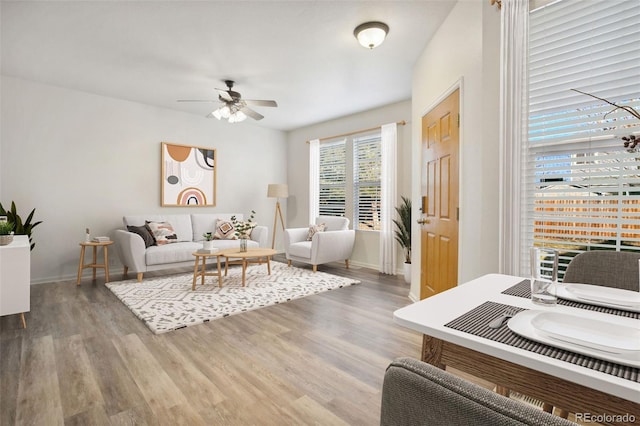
(234, 108)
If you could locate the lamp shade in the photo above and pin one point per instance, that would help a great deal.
(278, 190)
(371, 34)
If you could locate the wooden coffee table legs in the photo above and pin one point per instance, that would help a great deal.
(203, 272)
(245, 261)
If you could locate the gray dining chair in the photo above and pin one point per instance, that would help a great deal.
(417, 393)
(617, 269)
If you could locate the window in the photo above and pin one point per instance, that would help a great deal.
(581, 186)
(366, 182)
(350, 180)
(333, 179)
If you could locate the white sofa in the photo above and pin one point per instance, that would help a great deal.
(189, 228)
(335, 243)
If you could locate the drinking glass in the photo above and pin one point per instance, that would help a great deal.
(544, 275)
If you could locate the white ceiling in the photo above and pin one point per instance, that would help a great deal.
(300, 53)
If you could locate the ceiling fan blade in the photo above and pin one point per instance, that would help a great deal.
(251, 113)
(262, 103)
(225, 95)
(196, 100)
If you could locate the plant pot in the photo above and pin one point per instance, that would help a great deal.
(207, 245)
(5, 239)
(407, 273)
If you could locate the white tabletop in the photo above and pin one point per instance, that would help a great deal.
(430, 315)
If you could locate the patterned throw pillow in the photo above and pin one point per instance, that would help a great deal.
(163, 232)
(145, 233)
(225, 231)
(315, 228)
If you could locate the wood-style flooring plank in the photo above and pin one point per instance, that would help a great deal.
(79, 388)
(39, 392)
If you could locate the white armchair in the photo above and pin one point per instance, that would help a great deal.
(335, 243)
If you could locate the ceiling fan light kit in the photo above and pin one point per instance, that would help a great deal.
(234, 108)
(371, 34)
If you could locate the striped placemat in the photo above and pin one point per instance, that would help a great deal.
(476, 322)
(523, 289)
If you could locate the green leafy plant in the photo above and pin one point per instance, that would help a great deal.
(20, 227)
(208, 236)
(6, 228)
(403, 225)
(243, 229)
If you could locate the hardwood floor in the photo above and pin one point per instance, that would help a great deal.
(86, 359)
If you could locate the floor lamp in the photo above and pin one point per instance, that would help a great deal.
(277, 191)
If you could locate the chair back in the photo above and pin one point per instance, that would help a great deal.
(417, 393)
(333, 223)
(618, 269)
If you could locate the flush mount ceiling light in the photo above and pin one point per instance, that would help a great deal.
(371, 34)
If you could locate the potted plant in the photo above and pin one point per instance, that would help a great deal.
(243, 229)
(207, 244)
(403, 234)
(20, 227)
(6, 232)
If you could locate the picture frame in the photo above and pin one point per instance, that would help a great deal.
(188, 176)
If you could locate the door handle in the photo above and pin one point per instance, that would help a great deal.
(424, 221)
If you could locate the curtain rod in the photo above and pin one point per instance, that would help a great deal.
(401, 123)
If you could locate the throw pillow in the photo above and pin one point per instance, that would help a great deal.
(224, 231)
(145, 234)
(313, 229)
(163, 232)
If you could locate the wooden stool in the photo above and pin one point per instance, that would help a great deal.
(105, 248)
(202, 272)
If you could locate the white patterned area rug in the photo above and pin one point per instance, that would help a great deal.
(168, 303)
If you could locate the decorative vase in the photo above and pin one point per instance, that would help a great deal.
(243, 245)
(5, 240)
(407, 273)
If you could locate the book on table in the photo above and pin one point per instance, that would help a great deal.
(100, 239)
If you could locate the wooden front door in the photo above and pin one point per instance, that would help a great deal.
(439, 222)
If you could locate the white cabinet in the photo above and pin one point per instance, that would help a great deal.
(15, 277)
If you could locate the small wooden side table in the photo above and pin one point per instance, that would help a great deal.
(202, 272)
(105, 249)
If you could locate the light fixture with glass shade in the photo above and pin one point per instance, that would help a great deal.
(371, 34)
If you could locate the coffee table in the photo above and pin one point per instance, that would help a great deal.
(252, 255)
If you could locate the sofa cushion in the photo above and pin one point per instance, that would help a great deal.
(333, 223)
(162, 232)
(224, 231)
(181, 223)
(171, 253)
(301, 249)
(206, 222)
(313, 229)
(145, 233)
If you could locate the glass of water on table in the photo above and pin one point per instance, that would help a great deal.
(544, 275)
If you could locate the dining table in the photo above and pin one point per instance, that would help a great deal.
(456, 333)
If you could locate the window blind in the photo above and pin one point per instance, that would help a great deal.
(367, 165)
(581, 186)
(333, 178)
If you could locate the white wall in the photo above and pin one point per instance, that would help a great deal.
(366, 251)
(84, 160)
(465, 48)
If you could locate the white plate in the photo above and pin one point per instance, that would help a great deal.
(609, 297)
(599, 339)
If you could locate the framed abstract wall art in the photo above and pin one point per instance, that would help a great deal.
(188, 176)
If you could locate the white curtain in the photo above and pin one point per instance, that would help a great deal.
(514, 35)
(388, 197)
(314, 180)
